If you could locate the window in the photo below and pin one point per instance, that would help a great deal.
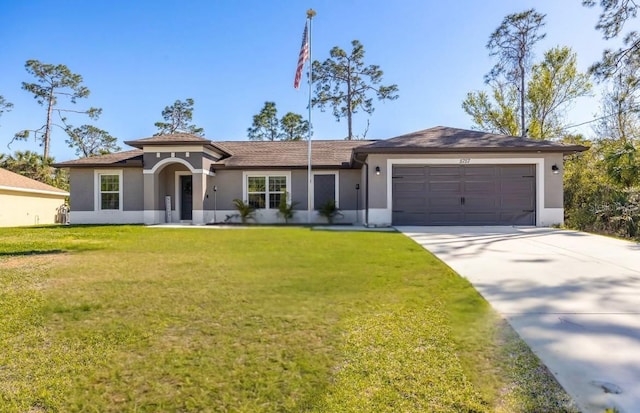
(108, 190)
(266, 191)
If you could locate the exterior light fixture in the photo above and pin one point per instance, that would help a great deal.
(555, 169)
(377, 170)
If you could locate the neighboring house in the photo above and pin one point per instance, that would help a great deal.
(438, 176)
(24, 201)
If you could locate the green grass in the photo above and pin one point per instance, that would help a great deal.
(128, 318)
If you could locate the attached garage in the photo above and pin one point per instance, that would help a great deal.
(463, 195)
(450, 176)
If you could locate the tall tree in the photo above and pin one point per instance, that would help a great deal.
(87, 140)
(178, 118)
(52, 82)
(267, 127)
(614, 16)
(293, 127)
(554, 84)
(512, 43)
(495, 114)
(346, 84)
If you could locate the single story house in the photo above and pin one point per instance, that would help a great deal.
(25, 201)
(437, 176)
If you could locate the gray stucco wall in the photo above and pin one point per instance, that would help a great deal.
(132, 189)
(81, 184)
(229, 185)
(348, 193)
(553, 188)
(299, 188)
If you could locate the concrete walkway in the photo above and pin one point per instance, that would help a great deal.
(573, 297)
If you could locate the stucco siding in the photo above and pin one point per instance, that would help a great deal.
(81, 181)
(299, 188)
(348, 193)
(132, 189)
(229, 184)
(553, 187)
(20, 208)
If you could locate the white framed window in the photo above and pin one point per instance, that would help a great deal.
(264, 190)
(108, 190)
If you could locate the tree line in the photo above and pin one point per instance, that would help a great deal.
(530, 98)
(342, 82)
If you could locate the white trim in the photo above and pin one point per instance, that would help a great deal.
(178, 194)
(108, 217)
(166, 161)
(336, 195)
(270, 216)
(465, 159)
(34, 191)
(96, 188)
(246, 174)
(184, 148)
(551, 216)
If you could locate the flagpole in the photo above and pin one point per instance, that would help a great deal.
(310, 14)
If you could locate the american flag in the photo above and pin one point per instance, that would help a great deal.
(303, 57)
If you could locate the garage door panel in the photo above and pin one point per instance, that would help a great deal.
(464, 195)
(479, 187)
(435, 171)
(409, 187)
(436, 187)
(443, 202)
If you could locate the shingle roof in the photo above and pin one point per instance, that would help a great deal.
(126, 158)
(262, 154)
(11, 180)
(443, 139)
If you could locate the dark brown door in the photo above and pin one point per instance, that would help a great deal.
(464, 195)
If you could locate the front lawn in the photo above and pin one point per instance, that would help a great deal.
(129, 318)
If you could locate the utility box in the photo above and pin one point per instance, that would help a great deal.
(167, 209)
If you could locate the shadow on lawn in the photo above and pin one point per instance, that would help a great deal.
(31, 252)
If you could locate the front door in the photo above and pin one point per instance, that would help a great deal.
(186, 197)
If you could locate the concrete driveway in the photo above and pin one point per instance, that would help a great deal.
(573, 297)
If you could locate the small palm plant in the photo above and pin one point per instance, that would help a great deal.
(329, 210)
(285, 210)
(245, 210)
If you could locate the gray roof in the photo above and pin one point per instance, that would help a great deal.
(123, 159)
(331, 153)
(262, 154)
(442, 139)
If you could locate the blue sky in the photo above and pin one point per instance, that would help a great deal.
(137, 57)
